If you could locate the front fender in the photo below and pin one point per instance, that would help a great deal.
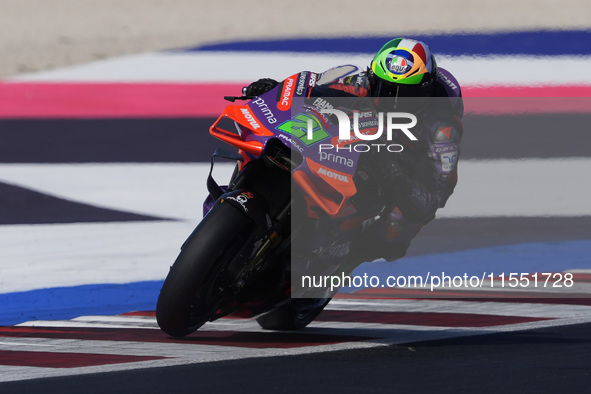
(251, 204)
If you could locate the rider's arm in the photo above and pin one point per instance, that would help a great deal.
(420, 189)
(327, 84)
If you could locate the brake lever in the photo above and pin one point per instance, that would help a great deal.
(234, 98)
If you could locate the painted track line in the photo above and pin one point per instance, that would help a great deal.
(91, 344)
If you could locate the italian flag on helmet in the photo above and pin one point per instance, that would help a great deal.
(404, 61)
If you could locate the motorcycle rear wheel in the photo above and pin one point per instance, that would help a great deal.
(191, 292)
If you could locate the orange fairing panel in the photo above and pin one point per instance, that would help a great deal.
(340, 182)
(243, 116)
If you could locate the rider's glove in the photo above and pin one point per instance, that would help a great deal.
(259, 87)
(390, 173)
(417, 201)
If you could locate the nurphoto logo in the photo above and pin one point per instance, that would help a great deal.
(345, 130)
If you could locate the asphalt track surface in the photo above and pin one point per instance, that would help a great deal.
(535, 361)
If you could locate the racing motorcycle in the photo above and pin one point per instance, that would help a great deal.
(291, 204)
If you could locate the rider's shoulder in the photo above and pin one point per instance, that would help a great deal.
(339, 72)
(448, 84)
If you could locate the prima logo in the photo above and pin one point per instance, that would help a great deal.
(341, 160)
(264, 107)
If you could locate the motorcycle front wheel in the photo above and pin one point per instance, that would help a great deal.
(192, 291)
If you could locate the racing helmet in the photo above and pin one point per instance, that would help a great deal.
(403, 68)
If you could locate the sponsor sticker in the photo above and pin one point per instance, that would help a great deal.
(289, 86)
(241, 199)
(250, 118)
(302, 84)
(448, 160)
(399, 62)
(305, 126)
(332, 174)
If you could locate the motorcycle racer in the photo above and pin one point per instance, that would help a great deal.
(297, 208)
(403, 76)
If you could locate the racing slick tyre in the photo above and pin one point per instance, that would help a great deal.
(192, 292)
(293, 316)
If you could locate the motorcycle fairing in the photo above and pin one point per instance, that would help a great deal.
(280, 115)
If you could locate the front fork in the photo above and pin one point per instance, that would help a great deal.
(261, 191)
